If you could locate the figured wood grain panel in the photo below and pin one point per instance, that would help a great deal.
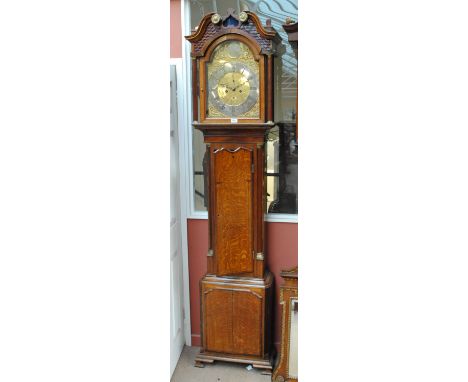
(233, 210)
(247, 323)
(218, 320)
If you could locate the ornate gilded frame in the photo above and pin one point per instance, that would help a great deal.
(288, 293)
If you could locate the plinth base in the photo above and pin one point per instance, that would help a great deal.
(264, 364)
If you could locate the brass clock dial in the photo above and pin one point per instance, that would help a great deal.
(233, 86)
(233, 89)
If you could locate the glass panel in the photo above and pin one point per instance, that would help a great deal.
(282, 148)
(199, 149)
(282, 155)
(293, 341)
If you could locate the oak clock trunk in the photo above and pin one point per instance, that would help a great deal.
(232, 85)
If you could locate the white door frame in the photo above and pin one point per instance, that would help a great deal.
(176, 260)
(184, 176)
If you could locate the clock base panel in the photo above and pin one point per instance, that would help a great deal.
(236, 320)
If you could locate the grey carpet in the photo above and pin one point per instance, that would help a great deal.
(216, 372)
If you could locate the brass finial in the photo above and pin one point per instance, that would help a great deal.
(215, 19)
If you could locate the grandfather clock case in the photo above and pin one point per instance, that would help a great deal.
(232, 85)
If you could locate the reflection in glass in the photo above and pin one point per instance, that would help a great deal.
(293, 341)
(282, 156)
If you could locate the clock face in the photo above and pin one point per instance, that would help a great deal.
(233, 87)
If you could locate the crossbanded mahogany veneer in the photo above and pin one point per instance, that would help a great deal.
(232, 86)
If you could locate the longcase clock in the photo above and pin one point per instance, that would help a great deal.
(232, 85)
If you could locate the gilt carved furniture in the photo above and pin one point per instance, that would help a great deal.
(286, 369)
(232, 86)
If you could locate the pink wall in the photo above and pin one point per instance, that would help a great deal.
(176, 29)
(281, 252)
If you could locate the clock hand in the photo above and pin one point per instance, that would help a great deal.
(226, 86)
(239, 85)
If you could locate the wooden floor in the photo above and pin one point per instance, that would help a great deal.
(217, 372)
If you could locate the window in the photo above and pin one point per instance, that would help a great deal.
(282, 148)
